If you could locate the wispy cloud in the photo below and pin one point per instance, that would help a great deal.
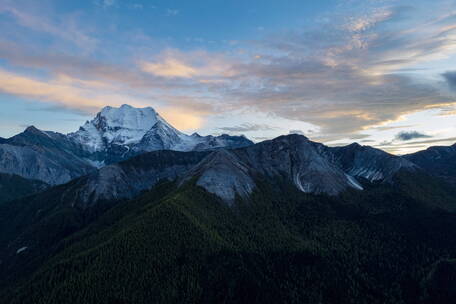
(341, 77)
(66, 30)
(136, 6)
(300, 132)
(89, 96)
(387, 128)
(450, 78)
(105, 3)
(399, 147)
(358, 71)
(199, 65)
(169, 68)
(247, 127)
(54, 91)
(410, 135)
(172, 12)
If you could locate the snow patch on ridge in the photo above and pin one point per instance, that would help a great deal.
(354, 182)
(21, 250)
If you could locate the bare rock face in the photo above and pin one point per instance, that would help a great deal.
(311, 167)
(127, 179)
(224, 174)
(231, 173)
(299, 159)
(370, 163)
(44, 156)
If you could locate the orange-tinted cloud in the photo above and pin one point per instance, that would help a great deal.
(169, 68)
(197, 64)
(60, 92)
(182, 119)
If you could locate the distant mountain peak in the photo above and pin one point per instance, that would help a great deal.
(127, 129)
(128, 117)
(354, 145)
(120, 126)
(31, 128)
(291, 138)
(35, 131)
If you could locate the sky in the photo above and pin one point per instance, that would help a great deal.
(380, 73)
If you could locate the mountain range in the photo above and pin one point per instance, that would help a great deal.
(113, 135)
(130, 210)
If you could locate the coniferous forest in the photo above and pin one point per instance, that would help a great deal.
(184, 245)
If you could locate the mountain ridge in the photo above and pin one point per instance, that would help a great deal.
(275, 197)
(439, 160)
(115, 134)
(311, 167)
(125, 132)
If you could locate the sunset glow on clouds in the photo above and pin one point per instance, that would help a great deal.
(339, 72)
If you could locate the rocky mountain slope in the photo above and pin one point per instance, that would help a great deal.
(46, 156)
(164, 209)
(125, 180)
(438, 160)
(311, 167)
(115, 134)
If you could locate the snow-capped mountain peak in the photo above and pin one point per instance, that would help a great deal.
(128, 129)
(125, 125)
(128, 117)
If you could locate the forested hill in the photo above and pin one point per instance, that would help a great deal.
(185, 245)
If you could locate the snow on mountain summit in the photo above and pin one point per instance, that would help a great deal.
(142, 130)
(128, 117)
(121, 126)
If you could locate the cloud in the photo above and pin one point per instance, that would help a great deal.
(296, 132)
(261, 138)
(56, 92)
(410, 135)
(64, 29)
(169, 68)
(415, 145)
(447, 110)
(387, 128)
(172, 12)
(108, 2)
(353, 73)
(183, 114)
(198, 65)
(450, 78)
(182, 119)
(136, 6)
(359, 136)
(342, 77)
(86, 70)
(247, 127)
(105, 3)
